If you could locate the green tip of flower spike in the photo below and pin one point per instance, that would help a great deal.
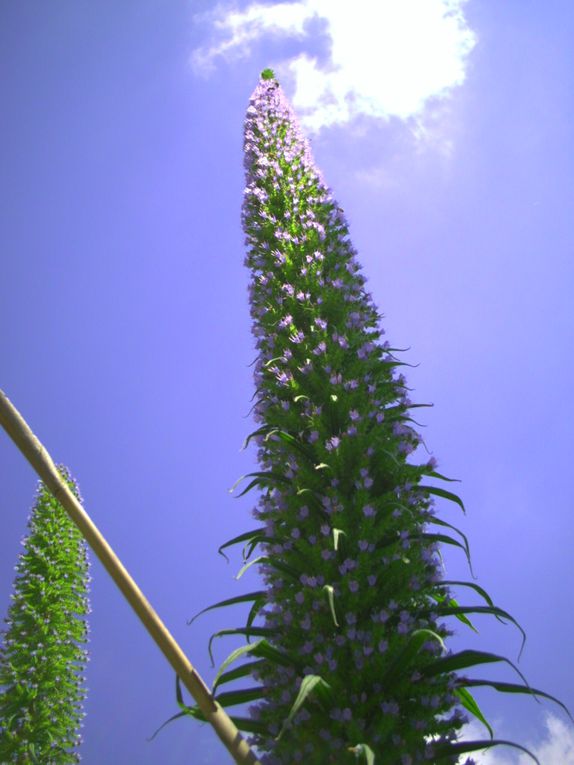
(268, 74)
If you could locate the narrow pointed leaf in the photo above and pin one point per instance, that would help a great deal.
(237, 540)
(244, 670)
(493, 610)
(434, 474)
(230, 602)
(444, 494)
(253, 562)
(309, 684)
(331, 600)
(262, 477)
(403, 658)
(233, 656)
(468, 658)
(445, 539)
(513, 688)
(248, 632)
(469, 703)
(337, 533)
(241, 696)
(363, 752)
(448, 751)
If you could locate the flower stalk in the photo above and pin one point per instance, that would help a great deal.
(43, 654)
(351, 662)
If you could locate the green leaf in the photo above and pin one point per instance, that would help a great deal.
(247, 631)
(248, 725)
(483, 593)
(309, 684)
(493, 610)
(254, 610)
(440, 522)
(402, 659)
(448, 751)
(444, 494)
(186, 711)
(253, 562)
(263, 477)
(434, 474)
(233, 656)
(292, 441)
(512, 688)
(331, 599)
(230, 602)
(469, 703)
(263, 650)
(445, 539)
(284, 568)
(464, 659)
(258, 432)
(363, 751)
(336, 536)
(241, 696)
(243, 670)
(452, 602)
(250, 545)
(241, 538)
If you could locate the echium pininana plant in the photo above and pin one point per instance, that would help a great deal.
(351, 661)
(43, 654)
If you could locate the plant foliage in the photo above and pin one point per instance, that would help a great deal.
(353, 664)
(42, 658)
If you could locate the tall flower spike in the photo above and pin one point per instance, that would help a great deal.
(42, 658)
(351, 662)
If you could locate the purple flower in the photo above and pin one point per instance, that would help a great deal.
(332, 443)
(368, 511)
(321, 348)
(298, 337)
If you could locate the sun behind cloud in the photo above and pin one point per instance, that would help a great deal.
(387, 58)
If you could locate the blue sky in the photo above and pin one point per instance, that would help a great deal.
(125, 337)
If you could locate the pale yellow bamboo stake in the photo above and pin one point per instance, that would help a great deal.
(19, 431)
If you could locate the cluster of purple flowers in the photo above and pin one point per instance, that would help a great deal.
(43, 654)
(349, 569)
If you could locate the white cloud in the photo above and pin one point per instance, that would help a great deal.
(387, 58)
(555, 748)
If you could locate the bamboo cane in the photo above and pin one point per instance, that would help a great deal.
(36, 454)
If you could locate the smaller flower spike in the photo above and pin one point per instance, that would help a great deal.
(43, 654)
